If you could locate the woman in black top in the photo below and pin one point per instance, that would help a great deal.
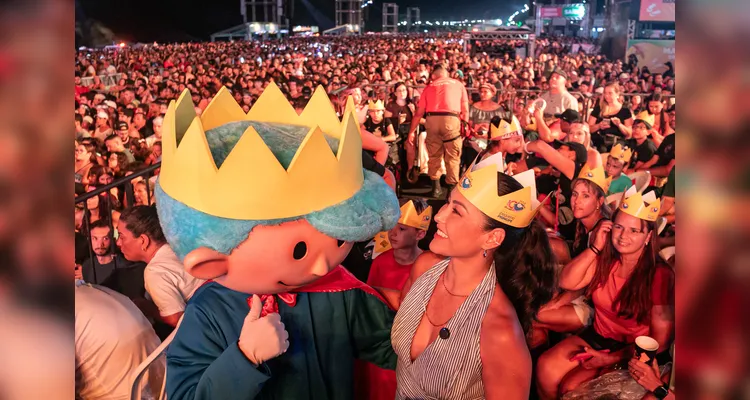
(610, 120)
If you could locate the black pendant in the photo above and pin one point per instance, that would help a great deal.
(444, 333)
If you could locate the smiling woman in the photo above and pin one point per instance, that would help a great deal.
(478, 304)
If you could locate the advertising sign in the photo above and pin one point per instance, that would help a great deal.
(574, 11)
(657, 10)
(551, 12)
(652, 53)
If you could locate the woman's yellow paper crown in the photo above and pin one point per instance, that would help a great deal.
(505, 130)
(645, 206)
(251, 183)
(597, 176)
(516, 209)
(622, 153)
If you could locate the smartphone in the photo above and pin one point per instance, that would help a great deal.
(242, 60)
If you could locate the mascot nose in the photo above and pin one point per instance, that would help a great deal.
(320, 266)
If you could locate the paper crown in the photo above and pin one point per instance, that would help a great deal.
(479, 186)
(645, 117)
(382, 243)
(505, 130)
(597, 176)
(251, 184)
(645, 206)
(375, 105)
(410, 216)
(622, 153)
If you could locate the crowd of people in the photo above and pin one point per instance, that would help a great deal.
(564, 294)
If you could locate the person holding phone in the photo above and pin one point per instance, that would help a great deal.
(610, 120)
(632, 293)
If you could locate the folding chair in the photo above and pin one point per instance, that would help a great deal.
(640, 179)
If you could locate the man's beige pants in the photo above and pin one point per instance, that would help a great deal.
(440, 130)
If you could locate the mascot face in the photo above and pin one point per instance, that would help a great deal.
(266, 229)
(273, 259)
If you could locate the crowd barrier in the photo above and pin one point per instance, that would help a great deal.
(107, 80)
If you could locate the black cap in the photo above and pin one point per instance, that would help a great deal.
(582, 155)
(122, 126)
(570, 116)
(560, 72)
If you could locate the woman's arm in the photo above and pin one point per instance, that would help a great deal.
(578, 273)
(626, 127)
(506, 362)
(545, 133)
(566, 166)
(593, 126)
(391, 134)
(594, 159)
(375, 144)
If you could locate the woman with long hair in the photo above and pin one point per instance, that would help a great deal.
(660, 127)
(98, 207)
(460, 331)
(610, 120)
(579, 133)
(569, 312)
(632, 293)
(85, 159)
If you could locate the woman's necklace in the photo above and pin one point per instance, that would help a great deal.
(444, 332)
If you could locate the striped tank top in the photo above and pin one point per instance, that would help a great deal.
(448, 368)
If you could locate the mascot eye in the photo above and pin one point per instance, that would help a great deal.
(300, 251)
(341, 243)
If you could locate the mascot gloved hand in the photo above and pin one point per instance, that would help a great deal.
(265, 206)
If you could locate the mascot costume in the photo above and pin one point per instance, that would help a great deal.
(265, 205)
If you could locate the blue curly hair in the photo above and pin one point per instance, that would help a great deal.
(374, 208)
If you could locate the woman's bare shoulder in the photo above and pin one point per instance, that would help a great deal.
(500, 323)
(424, 262)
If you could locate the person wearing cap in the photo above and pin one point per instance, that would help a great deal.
(643, 147)
(617, 162)
(556, 129)
(558, 98)
(103, 128)
(610, 120)
(632, 294)
(444, 104)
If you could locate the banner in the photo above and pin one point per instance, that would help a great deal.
(652, 53)
(657, 10)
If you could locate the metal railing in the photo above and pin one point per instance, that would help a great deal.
(124, 181)
(107, 80)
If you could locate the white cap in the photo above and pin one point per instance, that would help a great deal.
(102, 114)
(624, 75)
(599, 90)
(88, 119)
(110, 104)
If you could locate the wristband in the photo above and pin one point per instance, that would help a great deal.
(594, 249)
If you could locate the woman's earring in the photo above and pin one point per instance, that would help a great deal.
(484, 253)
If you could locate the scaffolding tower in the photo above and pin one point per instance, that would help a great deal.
(412, 16)
(390, 17)
(277, 12)
(349, 12)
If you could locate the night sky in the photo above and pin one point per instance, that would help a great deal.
(172, 20)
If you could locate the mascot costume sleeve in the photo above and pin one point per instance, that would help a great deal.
(265, 205)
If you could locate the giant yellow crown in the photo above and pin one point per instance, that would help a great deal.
(621, 153)
(251, 184)
(597, 176)
(645, 206)
(479, 186)
(505, 130)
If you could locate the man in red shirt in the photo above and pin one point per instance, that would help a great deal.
(444, 104)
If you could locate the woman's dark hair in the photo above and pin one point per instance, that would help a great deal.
(122, 163)
(92, 150)
(143, 220)
(605, 211)
(524, 262)
(657, 97)
(634, 300)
